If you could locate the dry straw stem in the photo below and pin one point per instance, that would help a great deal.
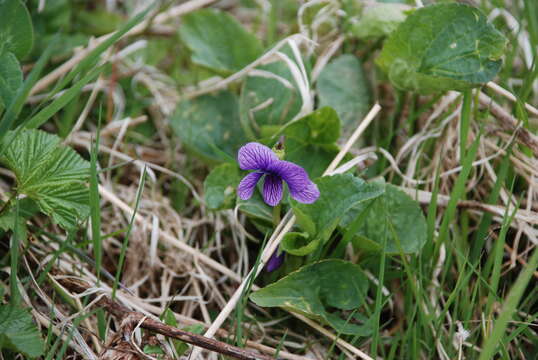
(285, 226)
(509, 123)
(173, 12)
(507, 94)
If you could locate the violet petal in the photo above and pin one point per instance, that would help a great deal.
(255, 156)
(301, 187)
(248, 184)
(272, 189)
(275, 261)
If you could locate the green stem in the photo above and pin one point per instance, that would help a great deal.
(276, 215)
(5, 206)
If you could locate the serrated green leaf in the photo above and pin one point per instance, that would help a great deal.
(342, 85)
(406, 223)
(218, 41)
(16, 31)
(18, 332)
(338, 194)
(379, 20)
(220, 185)
(314, 289)
(10, 78)
(51, 174)
(443, 47)
(209, 125)
(268, 100)
(311, 141)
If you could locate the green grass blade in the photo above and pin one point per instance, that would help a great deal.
(129, 229)
(14, 259)
(16, 105)
(480, 235)
(509, 307)
(457, 193)
(93, 56)
(41, 117)
(465, 121)
(95, 206)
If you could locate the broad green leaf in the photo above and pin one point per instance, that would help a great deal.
(443, 47)
(220, 185)
(16, 32)
(18, 332)
(406, 224)
(379, 20)
(311, 140)
(218, 41)
(256, 208)
(314, 289)
(269, 99)
(209, 125)
(10, 78)
(338, 194)
(298, 244)
(342, 85)
(52, 175)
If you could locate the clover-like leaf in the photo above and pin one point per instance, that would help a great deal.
(314, 289)
(209, 125)
(339, 193)
(397, 214)
(16, 31)
(443, 47)
(10, 77)
(18, 332)
(220, 185)
(342, 85)
(218, 41)
(52, 175)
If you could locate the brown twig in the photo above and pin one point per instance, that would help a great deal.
(130, 317)
(509, 123)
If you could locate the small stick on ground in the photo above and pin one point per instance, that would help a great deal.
(129, 317)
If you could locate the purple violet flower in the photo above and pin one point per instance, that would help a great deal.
(275, 261)
(255, 156)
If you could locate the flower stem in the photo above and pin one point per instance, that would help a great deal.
(276, 215)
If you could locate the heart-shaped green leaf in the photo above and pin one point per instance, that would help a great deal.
(218, 41)
(220, 185)
(443, 47)
(342, 85)
(314, 289)
(311, 140)
(51, 174)
(269, 99)
(209, 125)
(16, 31)
(298, 244)
(338, 194)
(396, 212)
